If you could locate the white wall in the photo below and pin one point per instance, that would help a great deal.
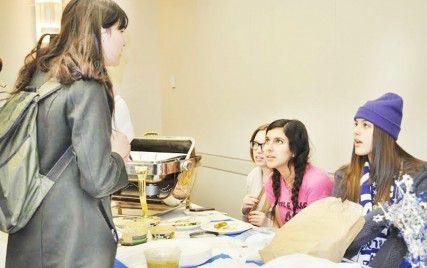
(239, 64)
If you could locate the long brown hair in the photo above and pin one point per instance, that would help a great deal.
(76, 52)
(388, 159)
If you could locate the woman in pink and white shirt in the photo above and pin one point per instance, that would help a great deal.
(294, 183)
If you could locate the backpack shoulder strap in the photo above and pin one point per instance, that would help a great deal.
(61, 164)
(49, 87)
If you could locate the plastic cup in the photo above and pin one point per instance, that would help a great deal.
(162, 257)
(134, 233)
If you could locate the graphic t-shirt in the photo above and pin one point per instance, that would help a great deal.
(316, 184)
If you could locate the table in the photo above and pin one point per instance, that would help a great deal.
(227, 251)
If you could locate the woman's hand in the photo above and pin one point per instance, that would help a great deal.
(120, 144)
(258, 218)
(249, 203)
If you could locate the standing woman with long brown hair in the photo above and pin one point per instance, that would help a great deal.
(376, 163)
(73, 226)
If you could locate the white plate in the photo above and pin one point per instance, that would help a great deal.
(185, 228)
(234, 227)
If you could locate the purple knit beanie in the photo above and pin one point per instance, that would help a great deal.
(384, 112)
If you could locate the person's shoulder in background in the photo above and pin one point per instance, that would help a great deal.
(122, 120)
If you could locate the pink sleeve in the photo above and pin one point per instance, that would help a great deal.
(269, 190)
(320, 188)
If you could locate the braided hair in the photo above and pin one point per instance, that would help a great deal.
(276, 189)
(299, 146)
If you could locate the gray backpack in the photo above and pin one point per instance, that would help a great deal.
(22, 187)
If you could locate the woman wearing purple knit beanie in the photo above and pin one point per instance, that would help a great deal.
(376, 162)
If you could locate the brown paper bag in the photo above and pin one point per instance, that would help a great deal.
(324, 229)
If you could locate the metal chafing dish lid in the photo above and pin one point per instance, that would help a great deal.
(164, 144)
(155, 156)
(162, 155)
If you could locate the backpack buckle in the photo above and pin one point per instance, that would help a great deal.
(36, 98)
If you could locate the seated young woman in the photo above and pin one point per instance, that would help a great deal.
(376, 163)
(295, 182)
(255, 206)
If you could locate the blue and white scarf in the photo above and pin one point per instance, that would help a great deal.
(367, 195)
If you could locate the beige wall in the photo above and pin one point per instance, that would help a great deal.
(242, 63)
(137, 78)
(17, 36)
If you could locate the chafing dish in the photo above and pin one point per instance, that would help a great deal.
(162, 171)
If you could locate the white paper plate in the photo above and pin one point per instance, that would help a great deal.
(234, 227)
